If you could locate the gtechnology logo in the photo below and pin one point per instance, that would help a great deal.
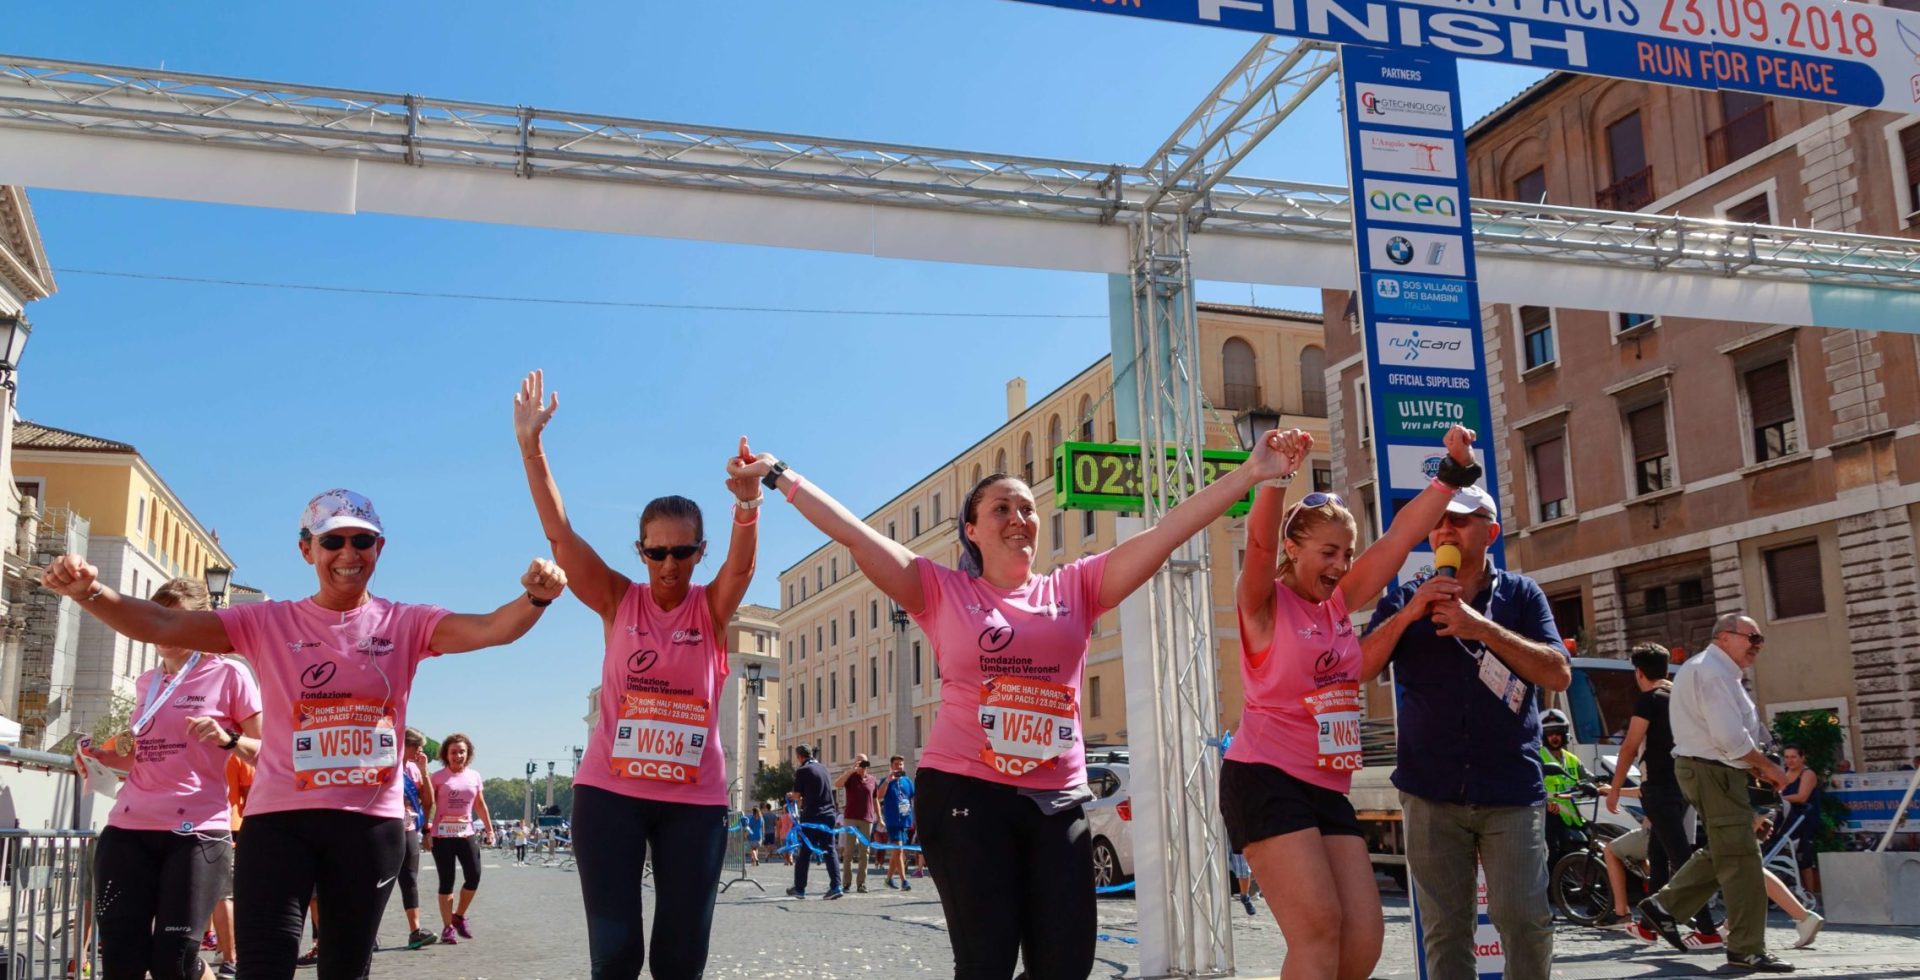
(1394, 105)
(1425, 345)
(1415, 156)
(1416, 251)
(1411, 203)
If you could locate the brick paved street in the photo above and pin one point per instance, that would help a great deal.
(529, 925)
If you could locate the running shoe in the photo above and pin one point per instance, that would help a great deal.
(1808, 928)
(460, 926)
(796, 893)
(1642, 933)
(208, 942)
(862, 889)
(226, 971)
(421, 937)
(905, 886)
(891, 883)
(1705, 942)
(835, 893)
(1761, 962)
(447, 937)
(1660, 921)
(1247, 901)
(309, 958)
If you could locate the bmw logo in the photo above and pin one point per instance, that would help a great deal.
(1399, 250)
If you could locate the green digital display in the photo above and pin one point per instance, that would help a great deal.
(1104, 476)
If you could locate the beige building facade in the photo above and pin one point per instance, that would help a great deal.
(1658, 471)
(839, 643)
(750, 717)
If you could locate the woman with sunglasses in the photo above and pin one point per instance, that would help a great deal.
(1283, 785)
(1004, 775)
(161, 864)
(653, 780)
(336, 670)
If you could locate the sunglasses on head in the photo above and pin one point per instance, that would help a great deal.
(1309, 502)
(681, 552)
(334, 542)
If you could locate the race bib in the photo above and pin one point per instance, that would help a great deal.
(1028, 723)
(659, 737)
(1336, 719)
(452, 827)
(343, 742)
(1501, 682)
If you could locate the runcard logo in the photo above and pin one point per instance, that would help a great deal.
(1425, 345)
(1411, 203)
(1395, 105)
(1415, 156)
(1416, 251)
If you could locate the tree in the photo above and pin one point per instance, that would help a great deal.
(773, 783)
(115, 722)
(1820, 738)
(507, 798)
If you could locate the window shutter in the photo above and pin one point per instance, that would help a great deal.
(1550, 470)
(1793, 576)
(1649, 428)
(1770, 394)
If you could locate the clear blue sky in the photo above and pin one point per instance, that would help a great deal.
(248, 401)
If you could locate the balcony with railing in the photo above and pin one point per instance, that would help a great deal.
(1629, 193)
(1740, 136)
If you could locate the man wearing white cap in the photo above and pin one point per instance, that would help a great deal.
(336, 670)
(1471, 647)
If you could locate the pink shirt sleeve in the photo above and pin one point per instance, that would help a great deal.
(1089, 574)
(243, 627)
(421, 621)
(243, 695)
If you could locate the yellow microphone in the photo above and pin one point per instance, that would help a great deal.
(1446, 561)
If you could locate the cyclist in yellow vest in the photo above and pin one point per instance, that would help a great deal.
(1563, 815)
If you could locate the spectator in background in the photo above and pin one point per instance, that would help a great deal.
(896, 811)
(1801, 817)
(858, 815)
(813, 792)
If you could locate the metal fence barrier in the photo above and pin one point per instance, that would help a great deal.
(46, 899)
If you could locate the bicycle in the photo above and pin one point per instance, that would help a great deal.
(1783, 860)
(1578, 885)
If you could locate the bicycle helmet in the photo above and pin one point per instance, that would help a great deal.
(1554, 720)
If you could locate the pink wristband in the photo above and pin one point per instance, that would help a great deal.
(1448, 487)
(755, 519)
(794, 486)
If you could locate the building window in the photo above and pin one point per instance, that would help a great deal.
(833, 749)
(834, 565)
(1569, 614)
(1322, 477)
(1086, 524)
(853, 622)
(916, 662)
(1093, 697)
(1536, 335)
(1652, 466)
(1363, 409)
(1907, 154)
(1769, 392)
(789, 651)
(1693, 592)
(1755, 210)
(853, 685)
(790, 713)
(916, 521)
(1053, 441)
(873, 618)
(1632, 187)
(1371, 506)
(819, 685)
(936, 507)
(1313, 382)
(833, 630)
(873, 739)
(803, 646)
(873, 678)
(833, 690)
(1531, 188)
(1654, 600)
(918, 741)
(1746, 125)
(1026, 457)
(999, 462)
(820, 639)
(893, 531)
(1059, 539)
(803, 586)
(1239, 375)
(139, 516)
(762, 733)
(1624, 322)
(1086, 418)
(1794, 582)
(819, 578)
(1550, 478)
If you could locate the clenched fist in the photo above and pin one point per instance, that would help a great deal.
(71, 576)
(544, 580)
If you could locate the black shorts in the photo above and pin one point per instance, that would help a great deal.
(1260, 801)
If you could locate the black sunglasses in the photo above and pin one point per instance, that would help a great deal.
(334, 542)
(682, 552)
(1754, 638)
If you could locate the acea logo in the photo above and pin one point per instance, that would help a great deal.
(1410, 203)
(1395, 105)
(1426, 345)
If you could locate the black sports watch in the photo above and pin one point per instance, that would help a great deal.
(233, 739)
(772, 479)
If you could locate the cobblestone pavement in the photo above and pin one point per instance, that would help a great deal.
(528, 924)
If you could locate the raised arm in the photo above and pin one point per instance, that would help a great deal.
(1134, 560)
(736, 573)
(1253, 593)
(886, 562)
(593, 580)
(135, 619)
(1381, 561)
(463, 632)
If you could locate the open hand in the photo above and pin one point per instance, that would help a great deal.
(71, 576)
(544, 580)
(530, 417)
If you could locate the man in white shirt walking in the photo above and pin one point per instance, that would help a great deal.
(1716, 746)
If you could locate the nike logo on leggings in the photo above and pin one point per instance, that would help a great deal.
(384, 882)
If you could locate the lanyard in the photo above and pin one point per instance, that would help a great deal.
(157, 697)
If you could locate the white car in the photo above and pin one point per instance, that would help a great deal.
(1110, 816)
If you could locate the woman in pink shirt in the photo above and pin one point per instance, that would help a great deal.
(163, 859)
(460, 819)
(653, 779)
(336, 669)
(1003, 777)
(1284, 782)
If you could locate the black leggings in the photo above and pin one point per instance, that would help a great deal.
(1669, 847)
(153, 892)
(466, 850)
(612, 836)
(1016, 884)
(348, 861)
(410, 871)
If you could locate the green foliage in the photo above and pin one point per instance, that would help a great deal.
(773, 783)
(432, 749)
(507, 798)
(1821, 738)
(118, 718)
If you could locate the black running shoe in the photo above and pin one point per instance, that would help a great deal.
(1761, 962)
(1661, 922)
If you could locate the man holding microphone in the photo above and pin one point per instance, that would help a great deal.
(1716, 748)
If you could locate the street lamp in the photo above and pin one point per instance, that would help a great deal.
(219, 577)
(14, 331)
(755, 685)
(1254, 423)
(902, 686)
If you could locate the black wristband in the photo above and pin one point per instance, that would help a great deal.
(1457, 476)
(538, 603)
(772, 479)
(233, 740)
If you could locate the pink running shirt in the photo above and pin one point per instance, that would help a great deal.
(1010, 665)
(336, 684)
(453, 796)
(659, 736)
(178, 782)
(1302, 711)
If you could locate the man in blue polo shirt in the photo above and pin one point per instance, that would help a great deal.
(1470, 654)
